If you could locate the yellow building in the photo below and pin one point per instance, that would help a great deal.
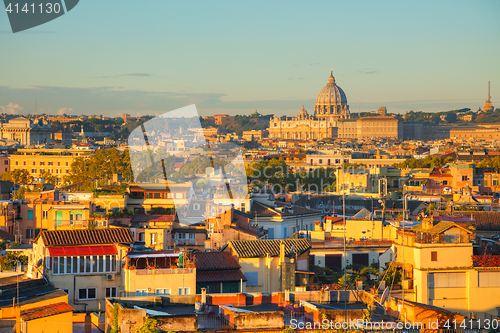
(440, 270)
(271, 264)
(54, 161)
(377, 127)
(159, 273)
(87, 264)
(46, 214)
(110, 203)
(38, 320)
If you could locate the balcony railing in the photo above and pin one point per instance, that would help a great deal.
(80, 223)
(188, 242)
(426, 238)
(164, 271)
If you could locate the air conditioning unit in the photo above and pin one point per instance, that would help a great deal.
(110, 277)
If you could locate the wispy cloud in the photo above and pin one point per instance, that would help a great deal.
(368, 71)
(133, 75)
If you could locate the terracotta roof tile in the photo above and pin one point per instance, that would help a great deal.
(207, 261)
(260, 247)
(46, 311)
(85, 237)
(220, 276)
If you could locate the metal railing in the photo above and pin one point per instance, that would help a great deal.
(155, 271)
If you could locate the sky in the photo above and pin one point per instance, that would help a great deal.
(148, 57)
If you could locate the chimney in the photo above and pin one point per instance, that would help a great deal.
(282, 252)
(203, 296)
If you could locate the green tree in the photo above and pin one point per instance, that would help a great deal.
(100, 166)
(18, 176)
(451, 117)
(48, 178)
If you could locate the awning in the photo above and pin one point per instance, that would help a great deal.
(153, 255)
(86, 250)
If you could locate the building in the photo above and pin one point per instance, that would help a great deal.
(218, 272)
(87, 264)
(282, 221)
(37, 304)
(150, 196)
(168, 272)
(222, 119)
(371, 128)
(331, 107)
(53, 161)
(47, 212)
(254, 135)
(440, 270)
(271, 264)
(26, 132)
(476, 134)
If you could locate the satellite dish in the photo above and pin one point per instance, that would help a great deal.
(383, 298)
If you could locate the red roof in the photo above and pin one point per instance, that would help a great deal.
(86, 237)
(46, 311)
(75, 251)
(220, 276)
(207, 261)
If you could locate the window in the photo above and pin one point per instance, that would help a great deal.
(184, 291)
(87, 293)
(163, 291)
(42, 163)
(29, 233)
(445, 182)
(24, 163)
(495, 183)
(464, 178)
(157, 195)
(66, 291)
(6, 162)
(179, 195)
(88, 264)
(58, 163)
(192, 236)
(67, 164)
(30, 215)
(17, 163)
(141, 292)
(69, 265)
(434, 256)
(110, 292)
(252, 278)
(153, 238)
(45, 214)
(196, 207)
(33, 170)
(75, 216)
(50, 163)
(149, 195)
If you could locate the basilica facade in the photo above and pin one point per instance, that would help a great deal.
(331, 108)
(25, 132)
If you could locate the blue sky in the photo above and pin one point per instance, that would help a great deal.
(148, 57)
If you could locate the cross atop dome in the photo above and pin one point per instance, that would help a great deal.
(331, 79)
